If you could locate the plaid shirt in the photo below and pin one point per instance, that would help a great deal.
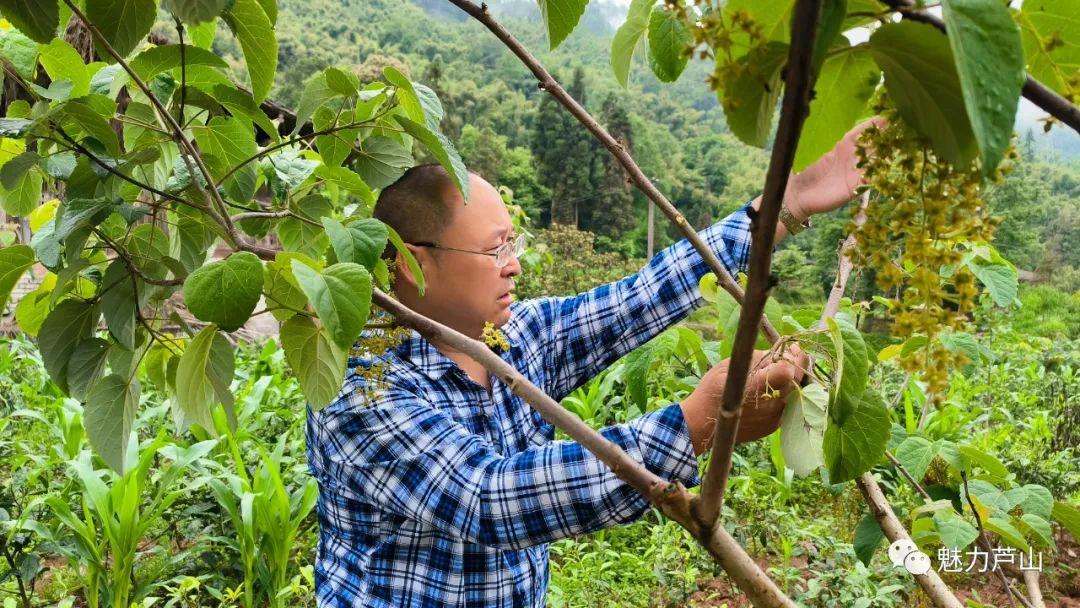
(434, 492)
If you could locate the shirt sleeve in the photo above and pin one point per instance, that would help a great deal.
(406, 457)
(590, 331)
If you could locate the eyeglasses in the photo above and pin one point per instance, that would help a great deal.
(515, 246)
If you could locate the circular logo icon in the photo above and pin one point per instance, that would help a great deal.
(900, 549)
(917, 562)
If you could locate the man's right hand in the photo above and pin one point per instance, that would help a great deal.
(763, 404)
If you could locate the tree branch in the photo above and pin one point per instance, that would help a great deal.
(637, 176)
(936, 589)
(1036, 92)
(796, 105)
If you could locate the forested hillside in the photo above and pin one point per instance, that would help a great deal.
(517, 137)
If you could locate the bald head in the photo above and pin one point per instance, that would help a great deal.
(417, 205)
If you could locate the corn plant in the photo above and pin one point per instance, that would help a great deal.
(116, 511)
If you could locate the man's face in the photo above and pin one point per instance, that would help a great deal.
(464, 290)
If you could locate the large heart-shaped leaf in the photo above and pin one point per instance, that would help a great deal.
(319, 363)
(109, 414)
(340, 295)
(225, 292)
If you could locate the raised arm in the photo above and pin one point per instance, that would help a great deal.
(405, 457)
(588, 332)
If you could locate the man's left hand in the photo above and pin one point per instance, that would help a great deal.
(831, 180)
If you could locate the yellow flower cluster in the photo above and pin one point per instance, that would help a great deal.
(734, 40)
(922, 215)
(382, 335)
(494, 337)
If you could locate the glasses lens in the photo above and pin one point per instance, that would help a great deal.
(519, 245)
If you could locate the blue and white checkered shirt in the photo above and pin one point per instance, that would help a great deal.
(435, 493)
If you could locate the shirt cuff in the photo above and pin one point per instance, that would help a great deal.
(665, 445)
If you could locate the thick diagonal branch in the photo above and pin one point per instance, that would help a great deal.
(798, 81)
(1036, 92)
(637, 176)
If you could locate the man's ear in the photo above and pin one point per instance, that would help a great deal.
(402, 271)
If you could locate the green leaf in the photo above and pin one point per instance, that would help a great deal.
(868, 537)
(921, 79)
(14, 261)
(226, 142)
(80, 213)
(998, 501)
(306, 237)
(13, 171)
(750, 100)
(669, 43)
(14, 127)
(628, 37)
(108, 415)
(71, 321)
(561, 17)
(225, 292)
(960, 342)
(93, 123)
(319, 364)
(24, 198)
(361, 242)
(343, 178)
(317, 91)
(158, 59)
(195, 11)
(288, 171)
(1039, 528)
(990, 62)
(123, 23)
(843, 88)
(37, 19)
(118, 304)
(1050, 33)
(955, 531)
(410, 260)
(774, 17)
(335, 147)
(1008, 533)
(62, 62)
(20, 51)
(87, 365)
(915, 453)
(340, 295)
(444, 151)
(193, 238)
(1068, 516)
(829, 27)
(855, 444)
(148, 245)
(240, 103)
(280, 287)
(252, 27)
(406, 96)
(1001, 280)
(802, 428)
(203, 373)
(381, 161)
(849, 382)
(1038, 501)
(986, 461)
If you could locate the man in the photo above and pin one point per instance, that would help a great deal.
(442, 488)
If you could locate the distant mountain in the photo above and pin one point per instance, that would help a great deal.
(601, 16)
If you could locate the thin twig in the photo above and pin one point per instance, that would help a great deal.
(796, 105)
(547, 83)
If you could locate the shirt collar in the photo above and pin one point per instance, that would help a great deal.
(423, 354)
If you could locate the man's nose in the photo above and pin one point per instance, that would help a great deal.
(512, 268)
